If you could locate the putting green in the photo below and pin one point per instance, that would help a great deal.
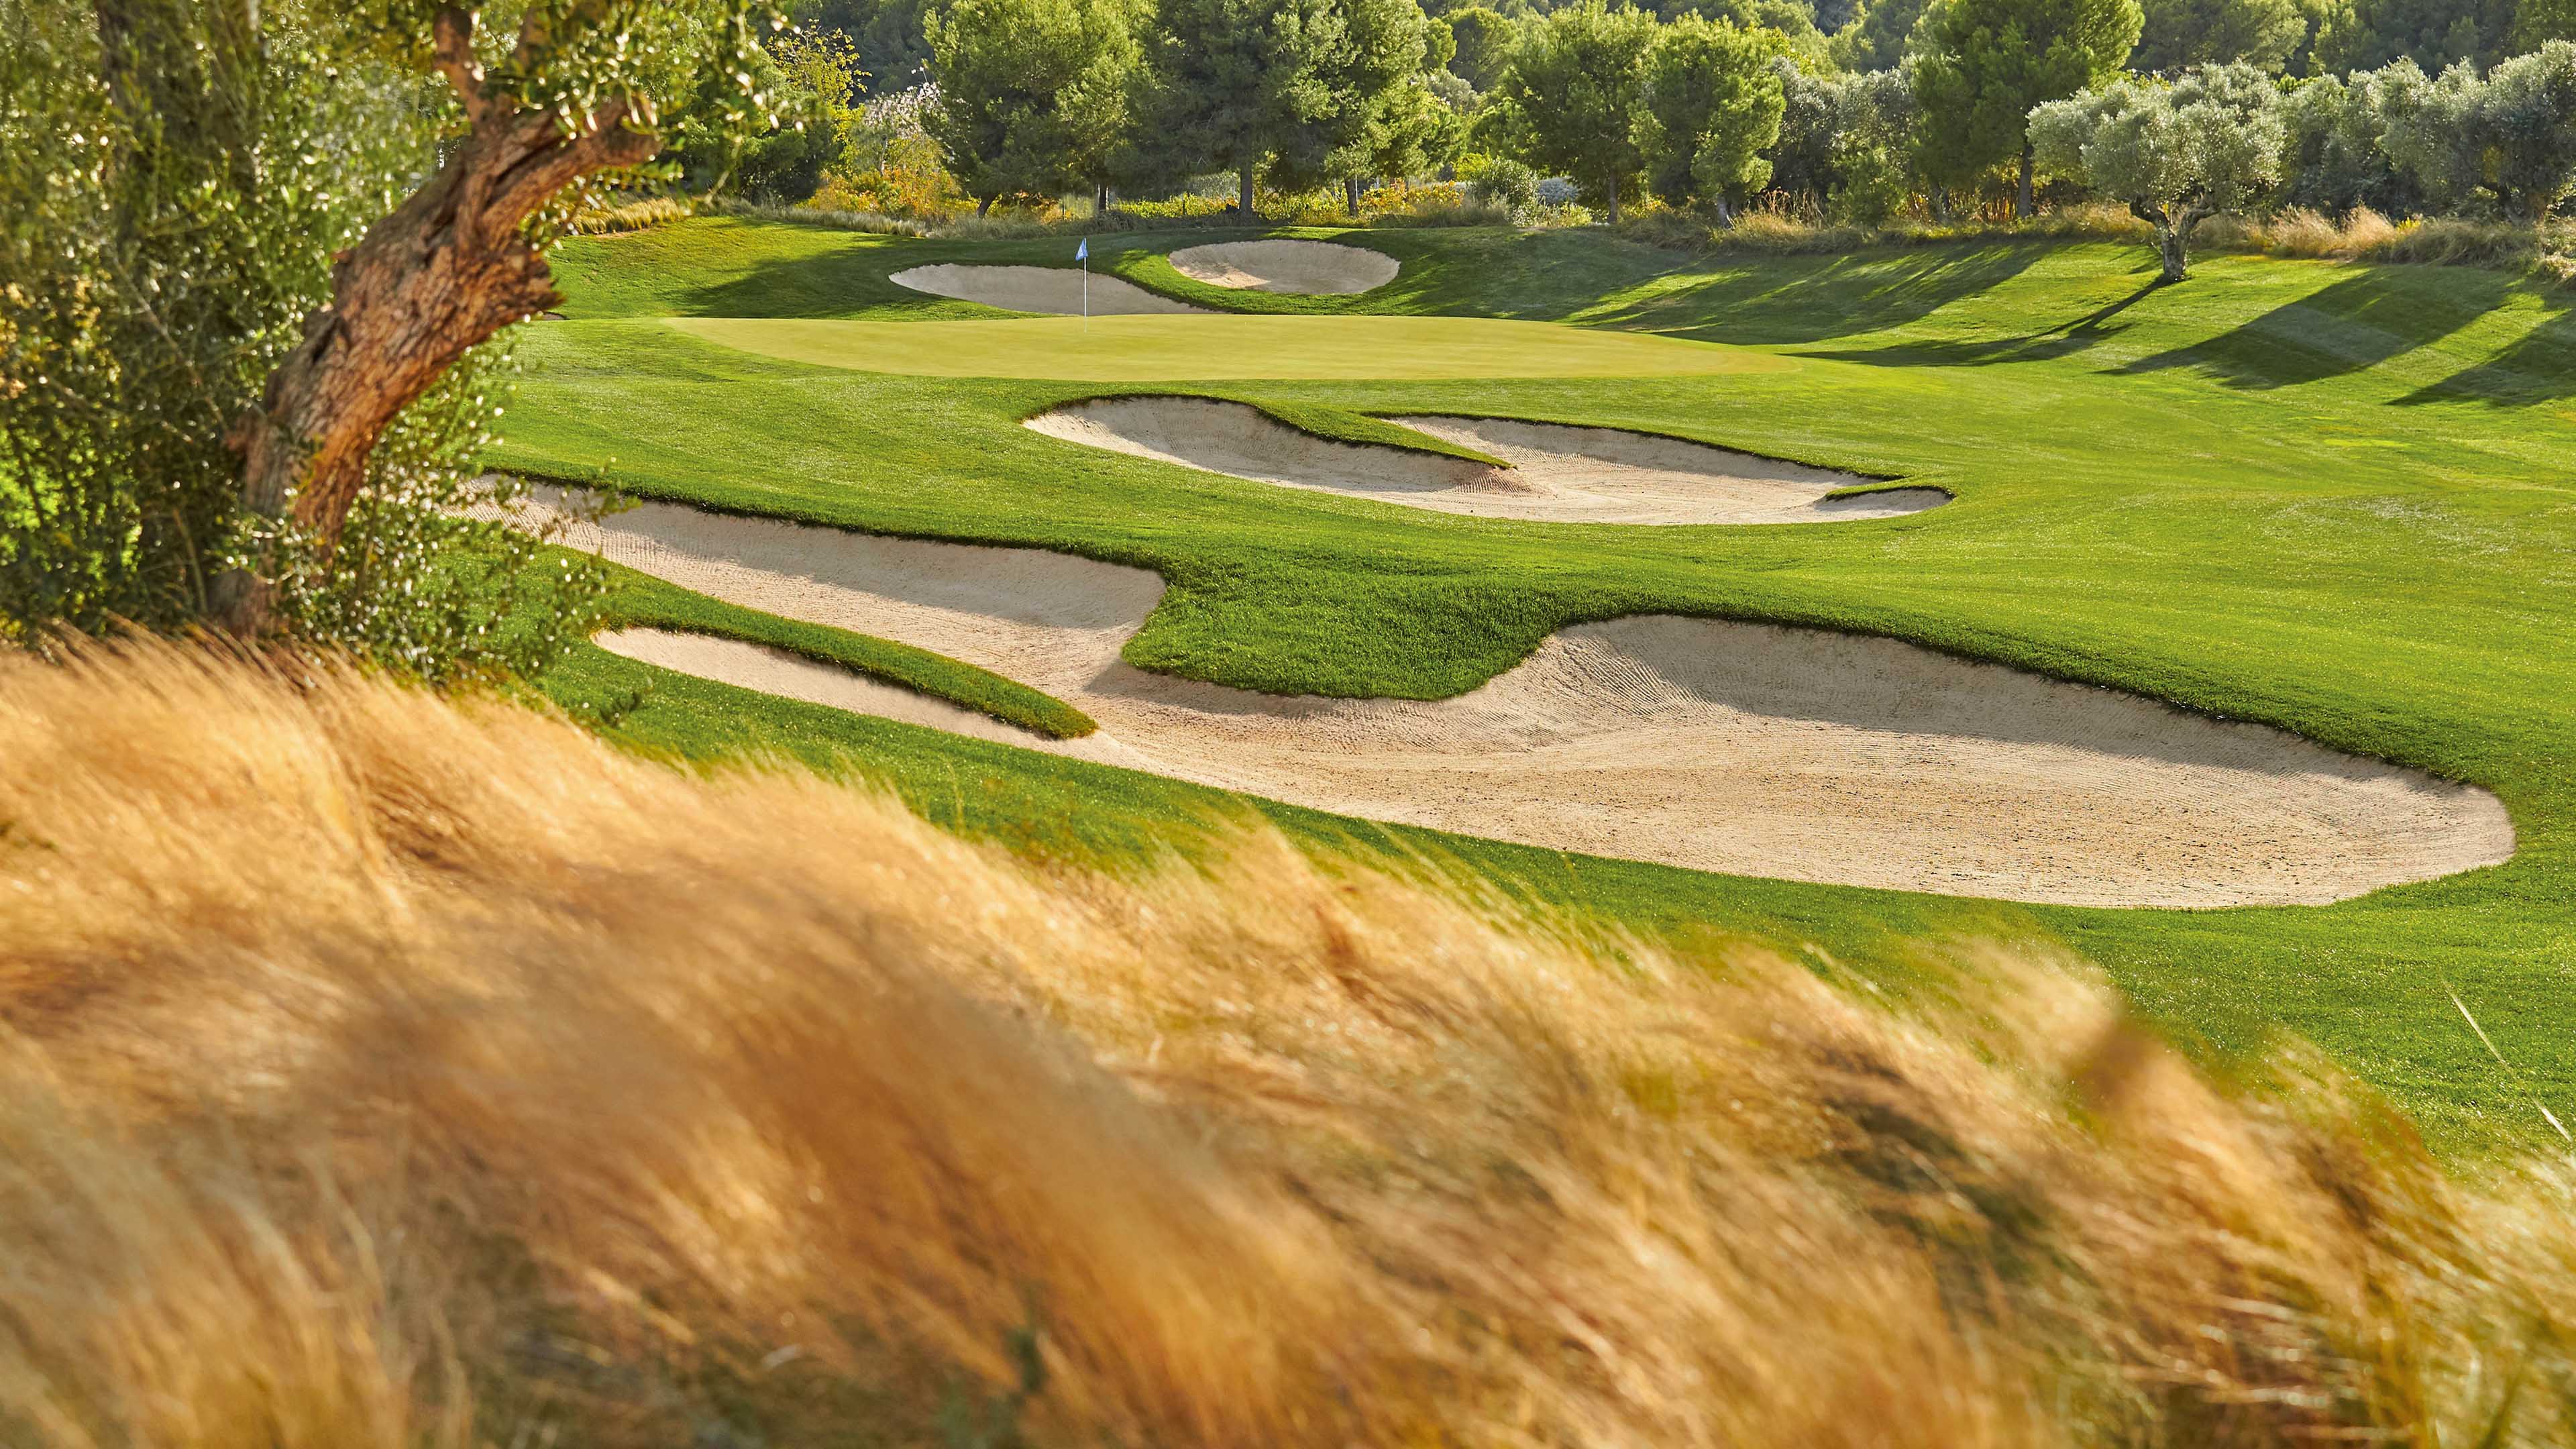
(1159, 349)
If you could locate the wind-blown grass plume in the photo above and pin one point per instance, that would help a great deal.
(387, 1071)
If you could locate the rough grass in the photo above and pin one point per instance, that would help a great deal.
(384, 1071)
(2546, 250)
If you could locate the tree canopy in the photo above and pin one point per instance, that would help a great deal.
(1709, 107)
(1985, 63)
(2181, 33)
(239, 367)
(1284, 86)
(1032, 94)
(1568, 100)
(2210, 143)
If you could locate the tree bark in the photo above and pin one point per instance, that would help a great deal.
(2173, 238)
(1614, 200)
(448, 269)
(2025, 199)
(1244, 203)
(1351, 193)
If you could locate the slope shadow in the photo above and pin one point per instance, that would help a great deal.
(1834, 297)
(2539, 367)
(2063, 340)
(2350, 327)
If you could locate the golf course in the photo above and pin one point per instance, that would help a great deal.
(1863, 607)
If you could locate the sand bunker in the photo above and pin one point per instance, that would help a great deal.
(1037, 289)
(1308, 267)
(1557, 475)
(1719, 746)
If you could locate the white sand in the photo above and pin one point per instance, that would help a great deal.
(1037, 289)
(1557, 475)
(1307, 267)
(1719, 746)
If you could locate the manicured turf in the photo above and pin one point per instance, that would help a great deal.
(1192, 349)
(2329, 498)
(639, 600)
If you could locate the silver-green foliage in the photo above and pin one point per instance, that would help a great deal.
(2211, 142)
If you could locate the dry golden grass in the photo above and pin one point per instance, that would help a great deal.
(382, 1071)
(2548, 250)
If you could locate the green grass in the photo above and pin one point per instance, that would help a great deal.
(2330, 498)
(1341, 425)
(638, 600)
(1190, 349)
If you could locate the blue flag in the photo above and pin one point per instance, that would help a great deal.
(1082, 253)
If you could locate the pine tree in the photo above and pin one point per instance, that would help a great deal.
(1985, 63)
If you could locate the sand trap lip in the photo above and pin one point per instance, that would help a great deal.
(1305, 268)
(1057, 290)
(1558, 474)
(1743, 748)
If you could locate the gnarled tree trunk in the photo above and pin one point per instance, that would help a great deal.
(2173, 226)
(2026, 198)
(448, 269)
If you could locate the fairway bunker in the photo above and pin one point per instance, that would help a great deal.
(1558, 474)
(1306, 268)
(1057, 290)
(1744, 748)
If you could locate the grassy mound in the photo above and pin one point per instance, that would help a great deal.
(642, 601)
(390, 1072)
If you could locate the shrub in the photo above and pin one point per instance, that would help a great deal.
(1508, 186)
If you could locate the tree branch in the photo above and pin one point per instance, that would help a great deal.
(452, 54)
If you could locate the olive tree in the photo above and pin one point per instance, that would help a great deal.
(576, 91)
(240, 370)
(2208, 144)
(2525, 124)
(2428, 128)
(1709, 105)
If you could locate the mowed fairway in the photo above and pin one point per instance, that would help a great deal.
(1168, 349)
(2335, 500)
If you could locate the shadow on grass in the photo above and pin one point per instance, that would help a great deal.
(2063, 340)
(2539, 367)
(1824, 297)
(2350, 327)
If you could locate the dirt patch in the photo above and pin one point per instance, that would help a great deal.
(1037, 289)
(1558, 474)
(1303, 267)
(1733, 747)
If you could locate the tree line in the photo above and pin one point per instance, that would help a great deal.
(1987, 99)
